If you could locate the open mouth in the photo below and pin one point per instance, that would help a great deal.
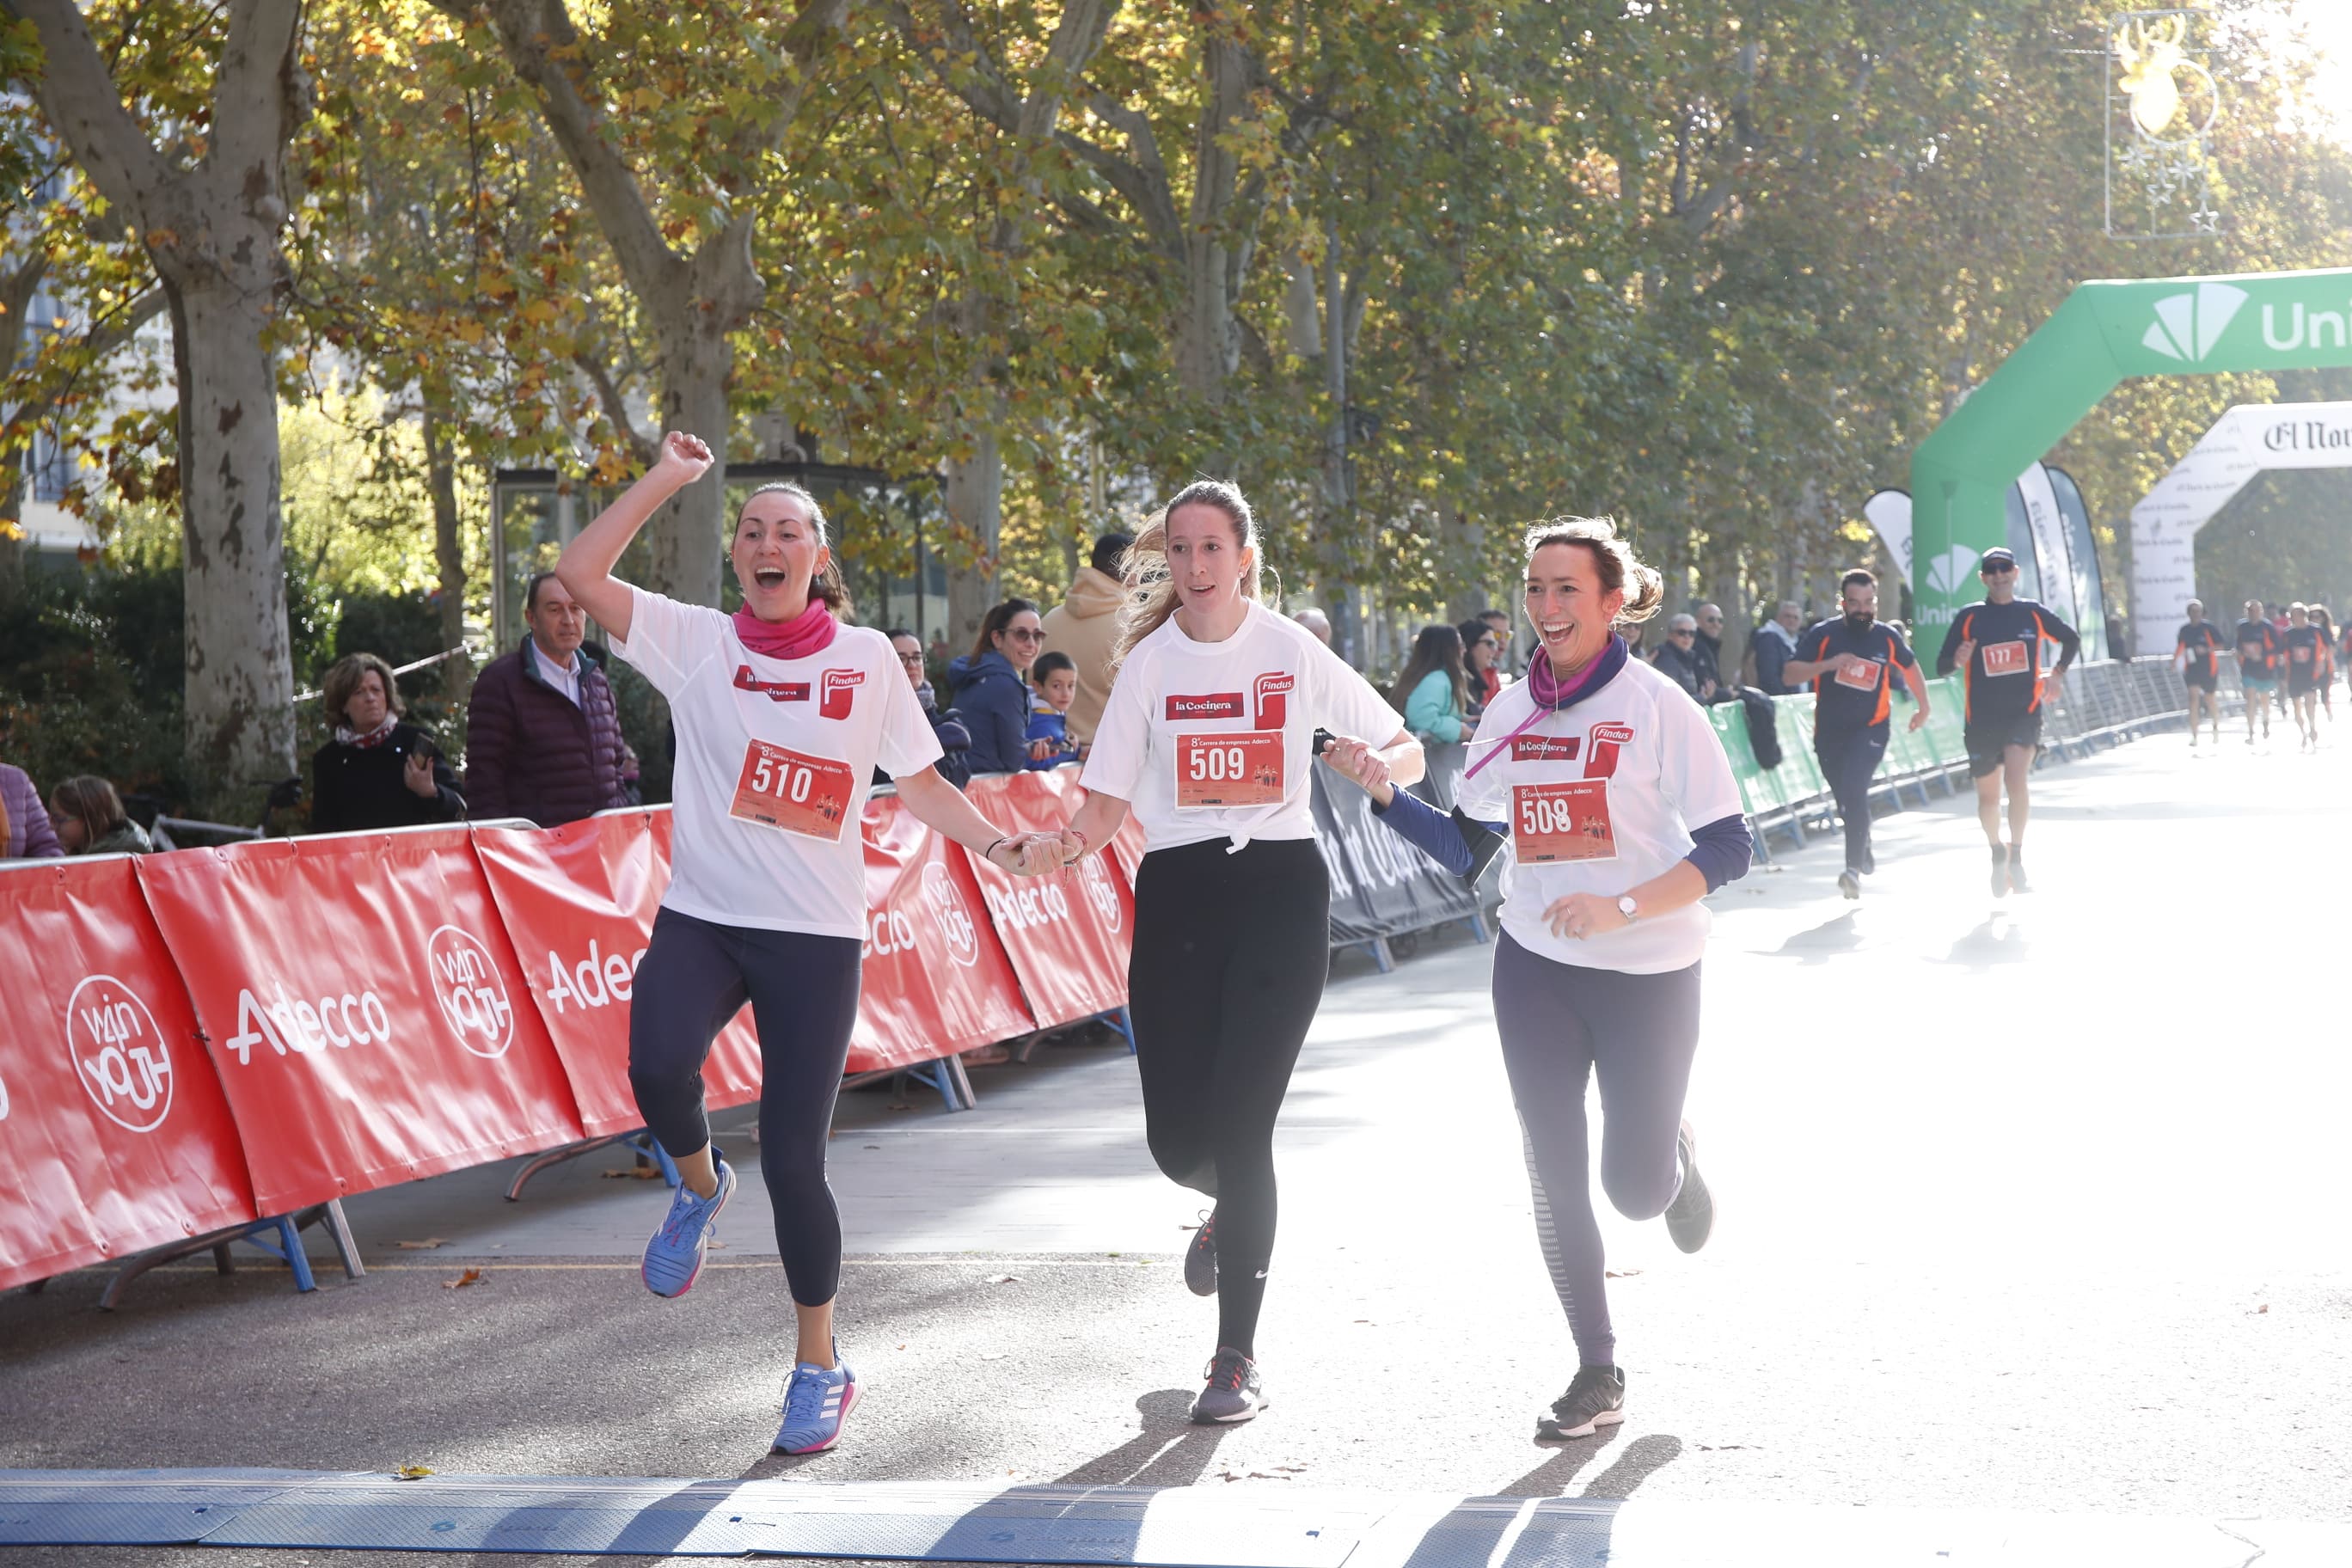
(769, 577)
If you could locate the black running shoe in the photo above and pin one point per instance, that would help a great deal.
(1597, 1398)
(1200, 1257)
(1690, 1218)
(2017, 882)
(2001, 870)
(1849, 884)
(1235, 1392)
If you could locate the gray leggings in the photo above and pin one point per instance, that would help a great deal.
(694, 977)
(1636, 1034)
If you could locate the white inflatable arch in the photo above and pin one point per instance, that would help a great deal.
(2249, 439)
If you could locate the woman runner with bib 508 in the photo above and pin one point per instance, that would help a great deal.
(1209, 734)
(1621, 814)
(782, 713)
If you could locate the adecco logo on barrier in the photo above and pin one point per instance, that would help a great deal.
(473, 997)
(118, 1053)
(945, 900)
(596, 981)
(1100, 890)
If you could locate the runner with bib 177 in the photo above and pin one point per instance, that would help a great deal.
(781, 713)
(1621, 814)
(1208, 737)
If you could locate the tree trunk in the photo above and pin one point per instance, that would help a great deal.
(976, 507)
(689, 535)
(1335, 510)
(240, 703)
(457, 672)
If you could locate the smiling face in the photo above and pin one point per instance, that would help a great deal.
(1018, 639)
(1481, 653)
(1206, 557)
(777, 554)
(1569, 606)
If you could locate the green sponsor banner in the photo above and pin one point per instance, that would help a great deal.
(2103, 334)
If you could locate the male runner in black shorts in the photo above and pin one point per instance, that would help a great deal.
(2258, 661)
(2194, 655)
(1851, 660)
(2307, 665)
(1996, 643)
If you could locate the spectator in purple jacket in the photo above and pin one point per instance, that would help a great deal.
(543, 736)
(25, 831)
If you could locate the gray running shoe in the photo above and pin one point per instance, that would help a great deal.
(1849, 883)
(1597, 1398)
(1200, 1257)
(1690, 1218)
(1235, 1392)
(2001, 870)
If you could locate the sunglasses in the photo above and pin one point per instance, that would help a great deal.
(1026, 635)
(1997, 572)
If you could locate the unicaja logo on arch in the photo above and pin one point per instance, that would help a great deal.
(2187, 325)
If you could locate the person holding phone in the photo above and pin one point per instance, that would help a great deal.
(782, 712)
(377, 772)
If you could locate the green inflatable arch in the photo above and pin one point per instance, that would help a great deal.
(2104, 333)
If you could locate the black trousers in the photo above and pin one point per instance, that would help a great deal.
(1849, 761)
(1231, 952)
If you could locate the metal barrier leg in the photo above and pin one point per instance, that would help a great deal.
(1117, 1019)
(339, 1230)
(573, 1151)
(1378, 948)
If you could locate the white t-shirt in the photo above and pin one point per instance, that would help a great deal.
(788, 740)
(1213, 739)
(1610, 788)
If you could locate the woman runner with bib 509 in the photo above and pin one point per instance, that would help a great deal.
(1621, 814)
(1209, 734)
(782, 713)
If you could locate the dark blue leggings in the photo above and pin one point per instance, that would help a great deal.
(1849, 761)
(696, 976)
(1635, 1033)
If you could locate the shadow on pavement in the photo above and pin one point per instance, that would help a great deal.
(1999, 941)
(1168, 1452)
(1818, 944)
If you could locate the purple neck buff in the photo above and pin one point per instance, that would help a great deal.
(1551, 694)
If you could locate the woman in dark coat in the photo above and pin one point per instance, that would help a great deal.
(377, 772)
(992, 689)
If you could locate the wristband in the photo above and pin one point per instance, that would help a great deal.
(989, 853)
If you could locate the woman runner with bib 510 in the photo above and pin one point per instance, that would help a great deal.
(1621, 814)
(782, 713)
(1209, 734)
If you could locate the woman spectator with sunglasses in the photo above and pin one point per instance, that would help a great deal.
(1482, 652)
(991, 687)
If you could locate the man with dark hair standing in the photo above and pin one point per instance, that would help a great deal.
(1997, 641)
(1084, 624)
(1851, 660)
(542, 735)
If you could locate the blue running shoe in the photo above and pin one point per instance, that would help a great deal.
(816, 1402)
(674, 1257)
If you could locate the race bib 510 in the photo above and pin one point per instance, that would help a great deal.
(781, 788)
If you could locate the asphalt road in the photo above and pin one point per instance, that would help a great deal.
(2030, 1205)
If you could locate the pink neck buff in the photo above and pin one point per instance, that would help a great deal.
(808, 633)
(1551, 693)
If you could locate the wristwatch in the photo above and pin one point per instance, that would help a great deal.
(1626, 907)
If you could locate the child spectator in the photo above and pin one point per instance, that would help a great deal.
(1054, 680)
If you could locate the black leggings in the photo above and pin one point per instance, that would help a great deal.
(1849, 762)
(1230, 952)
(803, 993)
(1636, 1034)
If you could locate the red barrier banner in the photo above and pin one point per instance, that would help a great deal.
(937, 980)
(579, 903)
(113, 1134)
(362, 1006)
(1067, 935)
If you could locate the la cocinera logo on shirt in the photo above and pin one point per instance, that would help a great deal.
(839, 686)
(1546, 748)
(1209, 705)
(1272, 707)
(774, 691)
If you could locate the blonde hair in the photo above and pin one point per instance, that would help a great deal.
(1613, 562)
(1143, 568)
(828, 584)
(342, 683)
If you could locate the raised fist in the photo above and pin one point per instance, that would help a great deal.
(684, 458)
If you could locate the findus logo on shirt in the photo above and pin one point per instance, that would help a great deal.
(775, 691)
(1273, 710)
(1211, 705)
(1546, 748)
(1601, 762)
(839, 686)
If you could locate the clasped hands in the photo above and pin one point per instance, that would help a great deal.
(1030, 854)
